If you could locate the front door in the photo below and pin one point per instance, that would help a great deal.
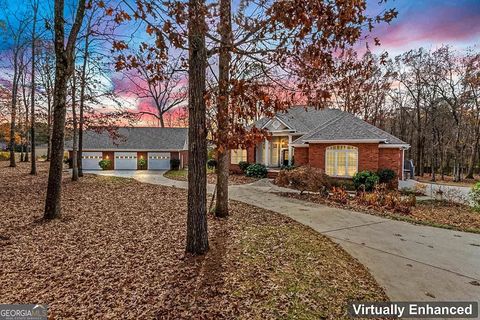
(284, 157)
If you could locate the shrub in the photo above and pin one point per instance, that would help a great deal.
(475, 196)
(142, 163)
(104, 164)
(212, 164)
(256, 170)
(339, 195)
(4, 155)
(386, 199)
(69, 162)
(243, 166)
(366, 180)
(346, 184)
(288, 167)
(304, 178)
(174, 164)
(386, 175)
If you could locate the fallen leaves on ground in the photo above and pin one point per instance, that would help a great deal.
(117, 252)
(435, 213)
(233, 179)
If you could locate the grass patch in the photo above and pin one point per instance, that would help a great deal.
(180, 175)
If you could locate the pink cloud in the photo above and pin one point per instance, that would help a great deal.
(436, 23)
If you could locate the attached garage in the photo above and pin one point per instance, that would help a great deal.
(125, 161)
(90, 160)
(133, 148)
(158, 160)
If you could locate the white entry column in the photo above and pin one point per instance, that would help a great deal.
(267, 152)
(290, 149)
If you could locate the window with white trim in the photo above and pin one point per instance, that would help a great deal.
(341, 161)
(238, 155)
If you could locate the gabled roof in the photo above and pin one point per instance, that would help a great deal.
(303, 119)
(136, 139)
(331, 125)
(349, 128)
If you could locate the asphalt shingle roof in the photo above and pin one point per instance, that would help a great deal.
(330, 124)
(303, 119)
(136, 138)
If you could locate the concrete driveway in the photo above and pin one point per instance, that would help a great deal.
(412, 263)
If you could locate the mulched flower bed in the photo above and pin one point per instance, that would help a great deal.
(434, 213)
(117, 252)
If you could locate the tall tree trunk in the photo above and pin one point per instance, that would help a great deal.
(33, 168)
(161, 120)
(74, 116)
(223, 164)
(13, 117)
(49, 127)
(64, 68)
(473, 157)
(197, 236)
(83, 84)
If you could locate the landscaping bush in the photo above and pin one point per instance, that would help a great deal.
(365, 180)
(211, 164)
(339, 195)
(475, 196)
(142, 163)
(386, 175)
(4, 155)
(174, 164)
(304, 178)
(256, 170)
(288, 167)
(104, 164)
(381, 198)
(346, 184)
(243, 166)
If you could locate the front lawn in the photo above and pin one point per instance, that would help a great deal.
(233, 179)
(118, 252)
(434, 213)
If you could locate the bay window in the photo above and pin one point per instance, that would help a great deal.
(341, 161)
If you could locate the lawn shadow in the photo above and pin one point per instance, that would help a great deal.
(197, 288)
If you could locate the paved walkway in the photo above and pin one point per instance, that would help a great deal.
(411, 262)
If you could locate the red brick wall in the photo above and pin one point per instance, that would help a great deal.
(392, 159)
(109, 155)
(300, 156)
(368, 155)
(142, 155)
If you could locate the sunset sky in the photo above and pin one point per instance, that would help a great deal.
(420, 23)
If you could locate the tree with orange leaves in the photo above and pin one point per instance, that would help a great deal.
(274, 43)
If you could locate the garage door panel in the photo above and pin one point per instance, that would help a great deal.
(158, 160)
(90, 160)
(125, 161)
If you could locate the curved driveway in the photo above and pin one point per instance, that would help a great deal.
(412, 263)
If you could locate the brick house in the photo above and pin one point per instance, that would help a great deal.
(329, 139)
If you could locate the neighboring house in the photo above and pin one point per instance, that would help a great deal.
(156, 145)
(329, 139)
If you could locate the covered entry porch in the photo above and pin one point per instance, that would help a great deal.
(275, 151)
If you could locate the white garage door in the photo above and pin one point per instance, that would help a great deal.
(158, 160)
(90, 160)
(125, 161)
